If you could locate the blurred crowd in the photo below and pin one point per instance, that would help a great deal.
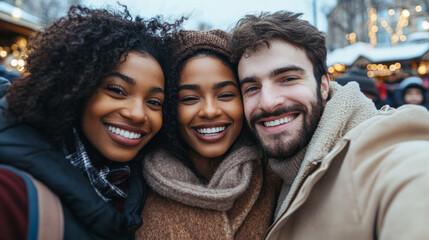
(396, 91)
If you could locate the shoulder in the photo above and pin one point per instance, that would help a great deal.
(4, 84)
(13, 205)
(409, 122)
(392, 141)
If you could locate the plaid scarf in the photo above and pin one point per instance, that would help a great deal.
(105, 180)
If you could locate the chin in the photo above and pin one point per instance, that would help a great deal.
(121, 157)
(215, 154)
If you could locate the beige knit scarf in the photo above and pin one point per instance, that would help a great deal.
(172, 179)
(345, 109)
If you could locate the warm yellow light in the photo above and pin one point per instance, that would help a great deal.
(337, 67)
(374, 66)
(15, 53)
(418, 8)
(20, 68)
(16, 13)
(14, 62)
(403, 38)
(392, 67)
(3, 54)
(405, 13)
(373, 17)
(422, 69)
(374, 28)
(425, 25)
(368, 67)
(21, 63)
(371, 10)
(22, 42)
(391, 12)
(380, 66)
(331, 70)
(348, 36)
(370, 74)
(395, 38)
(397, 65)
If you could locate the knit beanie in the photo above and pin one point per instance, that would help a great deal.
(412, 82)
(366, 84)
(192, 41)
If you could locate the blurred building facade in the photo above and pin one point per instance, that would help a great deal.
(19, 19)
(378, 22)
(46, 10)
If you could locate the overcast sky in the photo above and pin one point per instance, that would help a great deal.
(222, 14)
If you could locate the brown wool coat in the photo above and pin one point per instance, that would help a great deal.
(249, 218)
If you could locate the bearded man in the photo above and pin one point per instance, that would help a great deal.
(349, 171)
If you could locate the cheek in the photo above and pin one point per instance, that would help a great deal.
(156, 119)
(249, 107)
(91, 111)
(183, 116)
(236, 110)
(303, 95)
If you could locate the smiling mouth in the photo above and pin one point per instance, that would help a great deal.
(278, 122)
(211, 131)
(123, 133)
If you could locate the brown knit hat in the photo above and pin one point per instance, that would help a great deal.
(192, 41)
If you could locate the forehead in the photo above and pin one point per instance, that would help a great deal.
(266, 59)
(142, 67)
(202, 69)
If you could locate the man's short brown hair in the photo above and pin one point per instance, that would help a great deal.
(251, 32)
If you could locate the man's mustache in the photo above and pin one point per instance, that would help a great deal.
(279, 111)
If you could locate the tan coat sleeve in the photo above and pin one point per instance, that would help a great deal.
(393, 180)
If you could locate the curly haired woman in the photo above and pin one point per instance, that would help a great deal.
(90, 104)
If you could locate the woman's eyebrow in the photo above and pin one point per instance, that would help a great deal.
(189, 87)
(157, 89)
(123, 77)
(224, 84)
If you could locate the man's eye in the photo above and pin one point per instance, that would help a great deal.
(289, 79)
(250, 89)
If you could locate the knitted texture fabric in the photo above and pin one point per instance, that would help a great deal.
(172, 179)
(249, 218)
(192, 41)
(346, 108)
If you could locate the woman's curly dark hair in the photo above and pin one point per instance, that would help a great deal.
(69, 60)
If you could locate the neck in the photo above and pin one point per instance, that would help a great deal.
(96, 158)
(204, 166)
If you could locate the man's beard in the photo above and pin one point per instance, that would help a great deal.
(275, 147)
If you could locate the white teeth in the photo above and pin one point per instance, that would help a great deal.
(123, 133)
(278, 122)
(211, 131)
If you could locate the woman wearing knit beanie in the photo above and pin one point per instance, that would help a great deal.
(209, 181)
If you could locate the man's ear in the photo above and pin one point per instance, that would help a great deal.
(324, 87)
